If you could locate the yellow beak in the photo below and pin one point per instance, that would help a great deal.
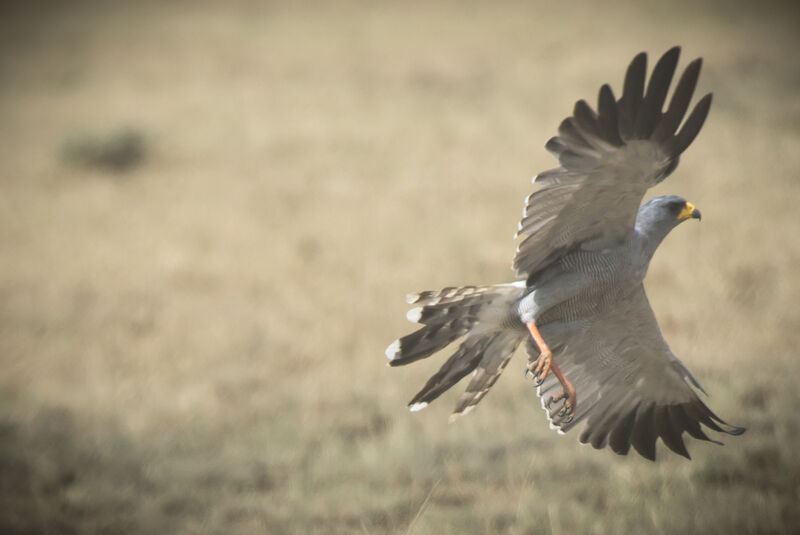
(689, 211)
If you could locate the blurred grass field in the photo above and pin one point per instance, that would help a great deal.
(194, 344)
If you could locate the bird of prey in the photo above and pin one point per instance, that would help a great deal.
(595, 350)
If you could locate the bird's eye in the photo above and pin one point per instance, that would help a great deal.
(676, 206)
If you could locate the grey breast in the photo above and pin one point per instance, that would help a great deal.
(600, 279)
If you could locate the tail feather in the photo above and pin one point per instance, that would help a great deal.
(494, 360)
(468, 308)
(460, 363)
(485, 314)
(427, 341)
(446, 295)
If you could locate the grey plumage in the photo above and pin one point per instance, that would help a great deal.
(581, 263)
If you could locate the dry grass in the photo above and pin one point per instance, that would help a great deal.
(196, 345)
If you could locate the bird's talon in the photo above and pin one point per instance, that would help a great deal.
(567, 410)
(538, 369)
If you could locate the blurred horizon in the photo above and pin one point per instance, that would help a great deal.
(211, 214)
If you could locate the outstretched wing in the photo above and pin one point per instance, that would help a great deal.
(631, 388)
(609, 159)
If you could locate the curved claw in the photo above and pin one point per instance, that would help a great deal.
(567, 410)
(553, 399)
(538, 369)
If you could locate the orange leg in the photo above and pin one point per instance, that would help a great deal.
(542, 366)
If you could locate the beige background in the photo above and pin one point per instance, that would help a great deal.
(196, 344)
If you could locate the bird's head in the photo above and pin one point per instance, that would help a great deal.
(661, 214)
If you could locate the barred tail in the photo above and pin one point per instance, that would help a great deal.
(486, 315)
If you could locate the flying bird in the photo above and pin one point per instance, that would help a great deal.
(596, 353)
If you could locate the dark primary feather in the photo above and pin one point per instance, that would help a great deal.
(586, 120)
(633, 89)
(656, 94)
(620, 438)
(679, 103)
(607, 116)
(681, 141)
(643, 438)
